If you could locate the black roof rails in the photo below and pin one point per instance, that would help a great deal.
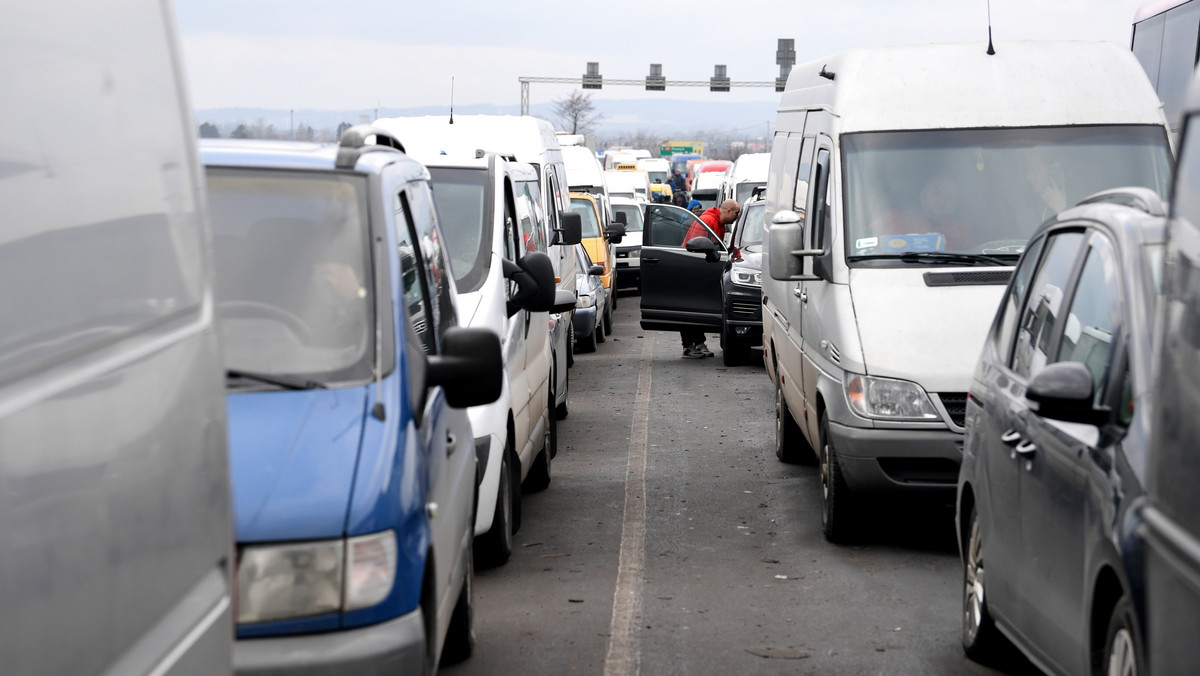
(758, 191)
(480, 153)
(354, 143)
(1142, 199)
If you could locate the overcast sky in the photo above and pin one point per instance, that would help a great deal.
(400, 53)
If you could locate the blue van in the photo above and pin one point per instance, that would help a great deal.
(354, 472)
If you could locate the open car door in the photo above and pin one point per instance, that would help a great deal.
(681, 281)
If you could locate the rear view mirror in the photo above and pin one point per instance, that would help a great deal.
(1065, 391)
(564, 301)
(571, 231)
(470, 369)
(534, 277)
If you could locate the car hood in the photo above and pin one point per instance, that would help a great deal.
(751, 257)
(929, 335)
(292, 460)
(631, 239)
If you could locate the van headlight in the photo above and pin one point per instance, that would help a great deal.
(746, 276)
(888, 398)
(279, 582)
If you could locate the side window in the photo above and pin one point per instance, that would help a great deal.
(434, 253)
(803, 172)
(510, 225)
(819, 199)
(532, 238)
(1010, 307)
(551, 210)
(412, 278)
(1094, 316)
(671, 226)
(1040, 315)
(1178, 58)
(1147, 45)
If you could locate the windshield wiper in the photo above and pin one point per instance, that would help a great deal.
(939, 257)
(285, 382)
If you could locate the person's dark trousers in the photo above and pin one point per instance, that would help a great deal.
(691, 337)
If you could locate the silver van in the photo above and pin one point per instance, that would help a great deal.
(116, 540)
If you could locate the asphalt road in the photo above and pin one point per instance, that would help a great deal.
(672, 541)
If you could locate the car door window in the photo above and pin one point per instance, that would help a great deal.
(668, 225)
(1094, 316)
(412, 278)
(819, 200)
(434, 254)
(1014, 299)
(1040, 315)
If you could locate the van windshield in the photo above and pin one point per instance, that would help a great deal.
(461, 197)
(983, 191)
(294, 291)
(587, 213)
(633, 216)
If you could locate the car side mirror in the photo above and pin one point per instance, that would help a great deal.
(596, 269)
(534, 277)
(620, 218)
(570, 232)
(564, 301)
(705, 246)
(1065, 391)
(785, 252)
(615, 232)
(470, 368)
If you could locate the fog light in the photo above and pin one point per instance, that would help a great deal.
(741, 330)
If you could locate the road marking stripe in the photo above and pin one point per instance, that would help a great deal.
(624, 644)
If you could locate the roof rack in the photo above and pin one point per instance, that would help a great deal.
(1142, 199)
(353, 144)
(480, 153)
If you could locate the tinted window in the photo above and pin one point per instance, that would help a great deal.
(587, 213)
(985, 190)
(803, 173)
(751, 229)
(669, 225)
(462, 200)
(1014, 300)
(412, 275)
(293, 292)
(1044, 304)
(1094, 316)
(433, 249)
(529, 218)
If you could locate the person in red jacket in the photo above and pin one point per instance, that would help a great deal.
(716, 219)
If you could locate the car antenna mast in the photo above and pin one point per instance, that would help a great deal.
(991, 50)
(451, 99)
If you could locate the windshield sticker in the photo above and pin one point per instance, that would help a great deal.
(866, 243)
(933, 241)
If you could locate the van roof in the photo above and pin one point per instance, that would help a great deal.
(751, 167)
(296, 155)
(1025, 84)
(429, 136)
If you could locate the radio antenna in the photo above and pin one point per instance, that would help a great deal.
(452, 98)
(991, 50)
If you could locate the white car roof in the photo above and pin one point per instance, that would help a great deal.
(527, 138)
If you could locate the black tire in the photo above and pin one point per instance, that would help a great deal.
(790, 445)
(980, 637)
(552, 441)
(561, 410)
(599, 332)
(734, 350)
(570, 344)
(588, 343)
(608, 320)
(838, 512)
(460, 635)
(495, 546)
(538, 478)
(1122, 654)
(612, 291)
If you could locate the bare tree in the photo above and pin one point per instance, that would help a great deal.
(577, 113)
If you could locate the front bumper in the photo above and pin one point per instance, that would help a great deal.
(898, 460)
(584, 321)
(629, 265)
(743, 313)
(393, 647)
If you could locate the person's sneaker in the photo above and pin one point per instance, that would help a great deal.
(702, 349)
(690, 352)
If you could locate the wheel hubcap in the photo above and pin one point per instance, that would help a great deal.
(973, 580)
(779, 417)
(1121, 657)
(825, 483)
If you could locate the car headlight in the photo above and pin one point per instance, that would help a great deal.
(888, 398)
(746, 276)
(636, 253)
(279, 582)
(585, 301)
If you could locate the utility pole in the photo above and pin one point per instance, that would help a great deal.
(291, 125)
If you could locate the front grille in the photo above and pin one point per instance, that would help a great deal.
(979, 278)
(745, 308)
(956, 406)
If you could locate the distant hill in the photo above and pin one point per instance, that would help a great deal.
(668, 118)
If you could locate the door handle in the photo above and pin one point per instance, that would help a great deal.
(804, 296)
(649, 260)
(798, 293)
(1026, 448)
(1010, 437)
(451, 443)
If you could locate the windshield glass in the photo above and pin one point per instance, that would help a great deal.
(745, 189)
(984, 191)
(660, 176)
(587, 213)
(461, 198)
(751, 232)
(293, 295)
(633, 216)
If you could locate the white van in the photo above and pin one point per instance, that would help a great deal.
(116, 525)
(528, 139)
(634, 185)
(749, 171)
(489, 213)
(904, 183)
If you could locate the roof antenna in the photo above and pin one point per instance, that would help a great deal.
(452, 98)
(991, 50)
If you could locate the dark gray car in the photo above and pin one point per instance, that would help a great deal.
(1055, 453)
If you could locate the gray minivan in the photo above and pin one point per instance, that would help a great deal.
(115, 525)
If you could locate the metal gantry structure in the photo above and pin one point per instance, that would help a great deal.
(785, 56)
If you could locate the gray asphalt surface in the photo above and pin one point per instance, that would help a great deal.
(734, 574)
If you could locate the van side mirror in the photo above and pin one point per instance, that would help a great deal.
(596, 269)
(615, 232)
(470, 368)
(570, 232)
(785, 242)
(1065, 391)
(620, 218)
(534, 277)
